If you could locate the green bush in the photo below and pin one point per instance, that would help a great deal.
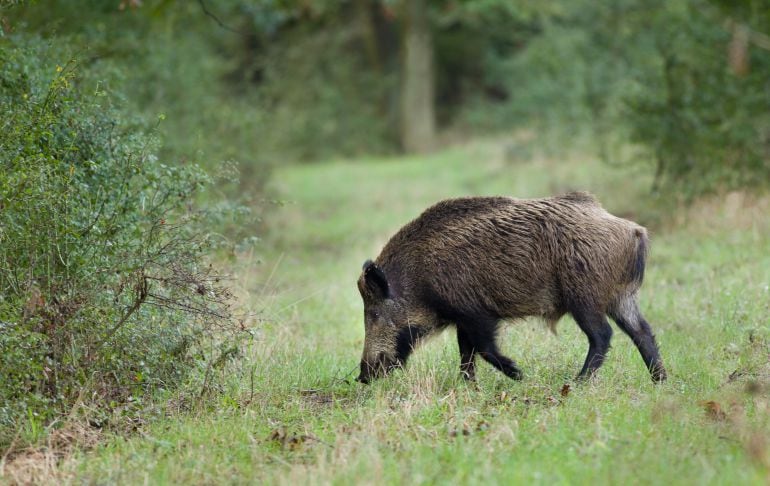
(652, 82)
(164, 57)
(705, 126)
(106, 291)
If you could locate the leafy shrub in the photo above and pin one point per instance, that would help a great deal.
(654, 83)
(165, 57)
(704, 125)
(105, 288)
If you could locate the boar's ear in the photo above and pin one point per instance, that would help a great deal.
(375, 280)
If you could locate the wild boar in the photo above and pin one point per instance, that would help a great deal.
(474, 262)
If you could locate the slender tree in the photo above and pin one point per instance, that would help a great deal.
(418, 118)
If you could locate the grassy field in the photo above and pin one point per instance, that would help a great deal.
(294, 415)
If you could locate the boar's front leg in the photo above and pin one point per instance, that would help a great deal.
(481, 334)
(467, 355)
(502, 363)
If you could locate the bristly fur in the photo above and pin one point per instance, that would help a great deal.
(638, 263)
(475, 261)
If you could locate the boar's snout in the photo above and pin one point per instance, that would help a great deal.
(370, 371)
(363, 377)
(377, 368)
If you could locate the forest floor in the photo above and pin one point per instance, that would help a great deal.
(298, 417)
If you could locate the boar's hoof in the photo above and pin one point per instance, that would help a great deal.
(658, 373)
(514, 372)
(468, 375)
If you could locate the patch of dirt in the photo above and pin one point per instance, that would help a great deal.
(293, 440)
(318, 397)
(41, 464)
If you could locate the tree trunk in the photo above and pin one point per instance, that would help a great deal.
(369, 34)
(418, 125)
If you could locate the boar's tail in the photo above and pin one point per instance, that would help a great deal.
(639, 257)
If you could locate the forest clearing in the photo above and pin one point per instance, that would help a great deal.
(189, 190)
(294, 414)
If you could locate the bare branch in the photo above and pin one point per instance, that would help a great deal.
(220, 23)
(142, 288)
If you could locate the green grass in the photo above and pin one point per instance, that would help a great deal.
(302, 420)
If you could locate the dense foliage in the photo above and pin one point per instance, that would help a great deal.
(685, 89)
(106, 293)
(681, 83)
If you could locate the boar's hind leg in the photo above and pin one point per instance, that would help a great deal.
(467, 355)
(628, 317)
(599, 334)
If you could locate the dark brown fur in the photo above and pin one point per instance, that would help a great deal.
(472, 262)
